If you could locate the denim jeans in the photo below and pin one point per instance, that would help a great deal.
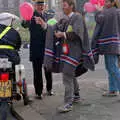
(111, 64)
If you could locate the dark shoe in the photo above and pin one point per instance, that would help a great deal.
(77, 99)
(50, 93)
(30, 101)
(16, 96)
(77, 94)
(27, 100)
(38, 97)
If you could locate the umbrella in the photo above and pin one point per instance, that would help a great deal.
(7, 18)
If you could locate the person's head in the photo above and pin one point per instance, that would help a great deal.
(50, 13)
(39, 5)
(68, 6)
(110, 3)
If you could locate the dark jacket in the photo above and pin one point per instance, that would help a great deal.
(37, 38)
(13, 39)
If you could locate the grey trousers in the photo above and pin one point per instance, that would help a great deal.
(71, 87)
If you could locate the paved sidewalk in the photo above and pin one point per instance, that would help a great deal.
(92, 85)
(96, 107)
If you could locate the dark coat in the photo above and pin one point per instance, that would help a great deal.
(37, 38)
(13, 39)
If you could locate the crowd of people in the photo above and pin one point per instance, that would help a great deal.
(64, 47)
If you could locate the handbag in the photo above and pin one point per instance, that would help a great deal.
(80, 70)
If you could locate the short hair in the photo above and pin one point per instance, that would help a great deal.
(71, 3)
(115, 5)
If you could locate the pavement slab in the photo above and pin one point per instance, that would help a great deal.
(92, 85)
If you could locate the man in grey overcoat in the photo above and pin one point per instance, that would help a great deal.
(70, 31)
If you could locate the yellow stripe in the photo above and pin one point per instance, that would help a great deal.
(5, 31)
(6, 47)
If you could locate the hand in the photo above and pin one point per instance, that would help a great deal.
(59, 34)
(39, 20)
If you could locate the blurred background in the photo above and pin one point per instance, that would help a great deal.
(12, 6)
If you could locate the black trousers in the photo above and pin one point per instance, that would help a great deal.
(38, 79)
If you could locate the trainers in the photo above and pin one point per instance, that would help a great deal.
(77, 99)
(39, 96)
(110, 94)
(50, 93)
(65, 108)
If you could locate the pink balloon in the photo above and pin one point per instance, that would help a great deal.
(26, 10)
(94, 2)
(89, 7)
(100, 2)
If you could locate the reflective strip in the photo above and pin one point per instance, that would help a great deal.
(1, 35)
(69, 29)
(5, 31)
(52, 21)
(6, 47)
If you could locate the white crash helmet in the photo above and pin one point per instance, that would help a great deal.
(7, 18)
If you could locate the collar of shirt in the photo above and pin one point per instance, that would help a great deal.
(71, 14)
